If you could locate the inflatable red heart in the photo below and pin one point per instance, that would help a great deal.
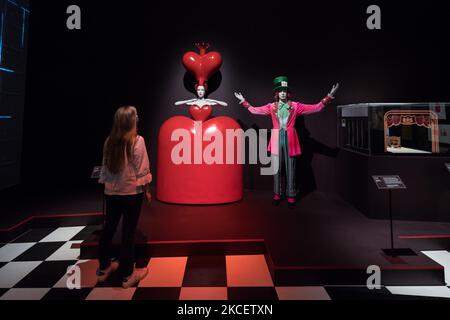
(202, 65)
(201, 183)
(200, 113)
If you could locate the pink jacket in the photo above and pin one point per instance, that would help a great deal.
(135, 175)
(296, 109)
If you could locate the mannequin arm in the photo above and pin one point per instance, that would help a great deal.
(178, 103)
(263, 110)
(221, 103)
(305, 109)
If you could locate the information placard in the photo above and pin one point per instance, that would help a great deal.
(388, 182)
(96, 172)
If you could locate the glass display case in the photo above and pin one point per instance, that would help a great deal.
(395, 128)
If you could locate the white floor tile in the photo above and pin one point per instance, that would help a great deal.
(25, 294)
(248, 271)
(11, 251)
(66, 252)
(436, 292)
(62, 234)
(111, 294)
(443, 258)
(302, 293)
(88, 274)
(13, 272)
(165, 272)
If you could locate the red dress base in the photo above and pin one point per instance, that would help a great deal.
(197, 183)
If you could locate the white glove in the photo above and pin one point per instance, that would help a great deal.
(333, 91)
(240, 97)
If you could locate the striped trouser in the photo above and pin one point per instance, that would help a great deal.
(289, 164)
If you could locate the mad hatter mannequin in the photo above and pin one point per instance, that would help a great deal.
(284, 144)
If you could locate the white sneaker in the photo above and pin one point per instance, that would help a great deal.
(138, 275)
(102, 275)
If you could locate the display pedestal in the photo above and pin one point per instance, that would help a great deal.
(391, 183)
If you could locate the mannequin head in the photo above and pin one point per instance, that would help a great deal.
(201, 91)
(282, 95)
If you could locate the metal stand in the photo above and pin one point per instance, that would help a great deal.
(95, 175)
(393, 252)
(103, 208)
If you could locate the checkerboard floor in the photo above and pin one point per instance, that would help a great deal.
(38, 266)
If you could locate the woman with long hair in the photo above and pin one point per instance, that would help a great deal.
(126, 176)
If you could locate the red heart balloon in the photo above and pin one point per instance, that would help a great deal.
(202, 66)
(200, 113)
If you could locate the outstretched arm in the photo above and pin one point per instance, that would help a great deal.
(178, 103)
(220, 103)
(263, 110)
(305, 109)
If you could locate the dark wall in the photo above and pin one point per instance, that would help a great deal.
(130, 53)
(426, 178)
(13, 57)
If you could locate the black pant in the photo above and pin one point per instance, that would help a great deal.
(128, 207)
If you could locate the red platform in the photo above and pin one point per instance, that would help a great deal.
(324, 241)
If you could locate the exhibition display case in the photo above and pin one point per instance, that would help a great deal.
(395, 128)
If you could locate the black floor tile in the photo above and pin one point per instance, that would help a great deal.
(66, 294)
(157, 294)
(34, 235)
(86, 233)
(40, 251)
(205, 271)
(113, 281)
(2, 264)
(3, 291)
(46, 275)
(253, 293)
(357, 293)
(142, 262)
(405, 297)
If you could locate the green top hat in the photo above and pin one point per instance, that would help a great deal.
(280, 84)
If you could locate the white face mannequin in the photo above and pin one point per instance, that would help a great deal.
(282, 95)
(201, 92)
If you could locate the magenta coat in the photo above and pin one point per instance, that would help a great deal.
(295, 109)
